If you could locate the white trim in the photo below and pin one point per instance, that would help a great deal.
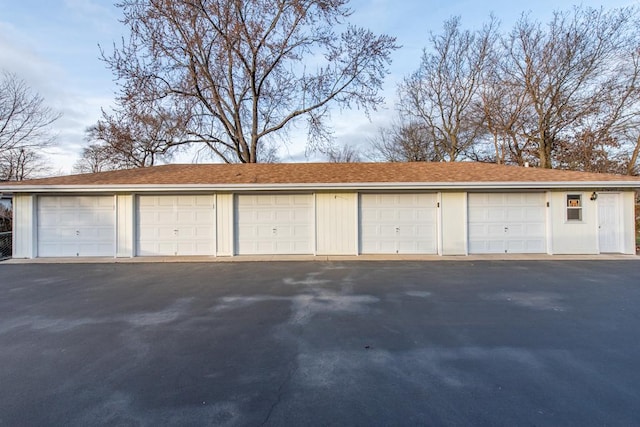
(234, 229)
(597, 225)
(379, 186)
(466, 222)
(314, 219)
(439, 233)
(215, 224)
(358, 233)
(35, 223)
(549, 223)
(357, 229)
(116, 225)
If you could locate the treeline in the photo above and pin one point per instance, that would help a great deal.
(236, 79)
(562, 94)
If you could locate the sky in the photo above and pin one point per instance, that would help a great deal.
(53, 45)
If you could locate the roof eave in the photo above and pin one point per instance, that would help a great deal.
(307, 187)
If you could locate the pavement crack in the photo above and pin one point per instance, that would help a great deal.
(280, 391)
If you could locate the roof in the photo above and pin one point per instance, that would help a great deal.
(335, 175)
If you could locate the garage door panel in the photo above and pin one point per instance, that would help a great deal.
(407, 215)
(367, 216)
(274, 224)
(301, 231)
(99, 249)
(262, 231)
(176, 225)
(515, 214)
(246, 201)
(283, 216)
(507, 223)
(422, 215)
(97, 233)
(496, 214)
(476, 215)
(58, 249)
(260, 216)
(76, 226)
(535, 229)
(534, 213)
(302, 214)
(398, 223)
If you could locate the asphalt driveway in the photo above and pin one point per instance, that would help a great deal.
(321, 343)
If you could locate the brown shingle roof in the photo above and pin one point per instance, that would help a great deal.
(326, 173)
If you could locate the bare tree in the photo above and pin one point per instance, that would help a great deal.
(619, 115)
(441, 93)
(405, 142)
(20, 164)
(502, 107)
(244, 70)
(95, 158)
(138, 134)
(346, 154)
(565, 71)
(25, 128)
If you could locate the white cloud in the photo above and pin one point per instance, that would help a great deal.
(93, 13)
(80, 107)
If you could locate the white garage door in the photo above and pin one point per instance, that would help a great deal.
(274, 224)
(398, 224)
(507, 223)
(76, 226)
(176, 225)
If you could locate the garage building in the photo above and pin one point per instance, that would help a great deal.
(324, 209)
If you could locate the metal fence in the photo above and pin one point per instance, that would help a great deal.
(5, 245)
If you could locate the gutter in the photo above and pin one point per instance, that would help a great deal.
(310, 187)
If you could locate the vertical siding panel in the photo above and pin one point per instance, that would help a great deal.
(23, 226)
(224, 226)
(124, 226)
(453, 228)
(629, 222)
(336, 223)
(573, 237)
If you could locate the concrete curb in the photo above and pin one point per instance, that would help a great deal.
(323, 258)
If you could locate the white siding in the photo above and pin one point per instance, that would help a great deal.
(629, 221)
(453, 214)
(402, 223)
(224, 210)
(124, 226)
(336, 219)
(573, 237)
(23, 226)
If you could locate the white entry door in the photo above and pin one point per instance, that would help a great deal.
(507, 223)
(609, 223)
(176, 225)
(274, 224)
(70, 226)
(398, 224)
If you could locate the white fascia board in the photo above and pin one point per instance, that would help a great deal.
(384, 186)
